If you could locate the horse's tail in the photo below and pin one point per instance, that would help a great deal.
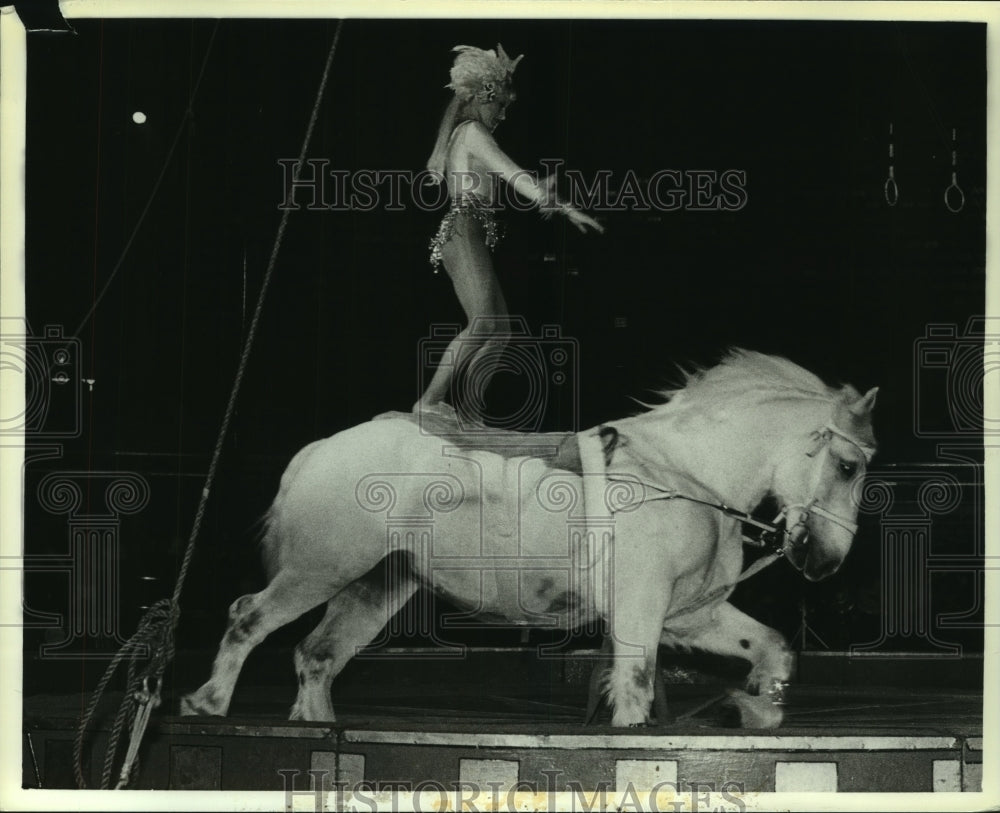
(270, 538)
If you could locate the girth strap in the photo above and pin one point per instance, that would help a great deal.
(597, 546)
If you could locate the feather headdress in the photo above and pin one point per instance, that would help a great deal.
(483, 75)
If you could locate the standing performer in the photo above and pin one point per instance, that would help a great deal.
(469, 159)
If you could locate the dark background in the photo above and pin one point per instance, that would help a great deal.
(815, 267)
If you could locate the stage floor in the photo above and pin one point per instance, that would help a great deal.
(834, 739)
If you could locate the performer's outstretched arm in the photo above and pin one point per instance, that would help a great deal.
(481, 144)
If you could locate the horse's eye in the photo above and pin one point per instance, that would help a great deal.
(848, 468)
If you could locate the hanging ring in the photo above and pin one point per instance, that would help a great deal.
(890, 189)
(960, 204)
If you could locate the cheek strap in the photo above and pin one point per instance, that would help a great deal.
(823, 444)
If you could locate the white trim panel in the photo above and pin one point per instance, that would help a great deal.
(805, 777)
(637, 742)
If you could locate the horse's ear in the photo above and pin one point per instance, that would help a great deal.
(865, 404)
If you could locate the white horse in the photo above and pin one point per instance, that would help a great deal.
(509, 536)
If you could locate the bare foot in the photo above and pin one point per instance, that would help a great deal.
(440, 409)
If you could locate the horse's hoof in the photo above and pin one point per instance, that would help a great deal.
(723, 714)
(624, 722)
(191, 707)
(305, 716)
(755, 712)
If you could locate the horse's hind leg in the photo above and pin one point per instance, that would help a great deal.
(353, 618)
(735, 633)
(251, 619)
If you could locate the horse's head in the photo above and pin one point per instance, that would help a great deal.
(817, 483)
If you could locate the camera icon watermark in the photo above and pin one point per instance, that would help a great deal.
(951, 375)
(537, 374)
(47, 367)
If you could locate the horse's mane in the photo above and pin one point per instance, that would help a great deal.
(746, 373)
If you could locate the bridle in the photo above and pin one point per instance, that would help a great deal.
(822, 438)
(777, 536)
(597, 449)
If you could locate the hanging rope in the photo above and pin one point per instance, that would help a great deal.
(156, 630)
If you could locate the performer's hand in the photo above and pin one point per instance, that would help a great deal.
(582, 220)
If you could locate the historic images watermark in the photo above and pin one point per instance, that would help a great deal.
(323, 188)
(329, 794)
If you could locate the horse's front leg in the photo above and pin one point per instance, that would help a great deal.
(732, 632)
(638, 606)
(660, 709)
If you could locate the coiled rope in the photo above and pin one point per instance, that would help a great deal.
(157, 628)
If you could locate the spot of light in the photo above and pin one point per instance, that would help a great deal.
(139, 117)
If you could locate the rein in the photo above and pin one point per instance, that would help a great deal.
(772, 536)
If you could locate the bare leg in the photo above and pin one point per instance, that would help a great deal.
(470, 267)
(251, 619)
(353, 618)
(733, 632)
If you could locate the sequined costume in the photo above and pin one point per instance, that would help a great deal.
(465, 205)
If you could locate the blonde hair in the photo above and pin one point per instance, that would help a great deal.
(482, 75)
